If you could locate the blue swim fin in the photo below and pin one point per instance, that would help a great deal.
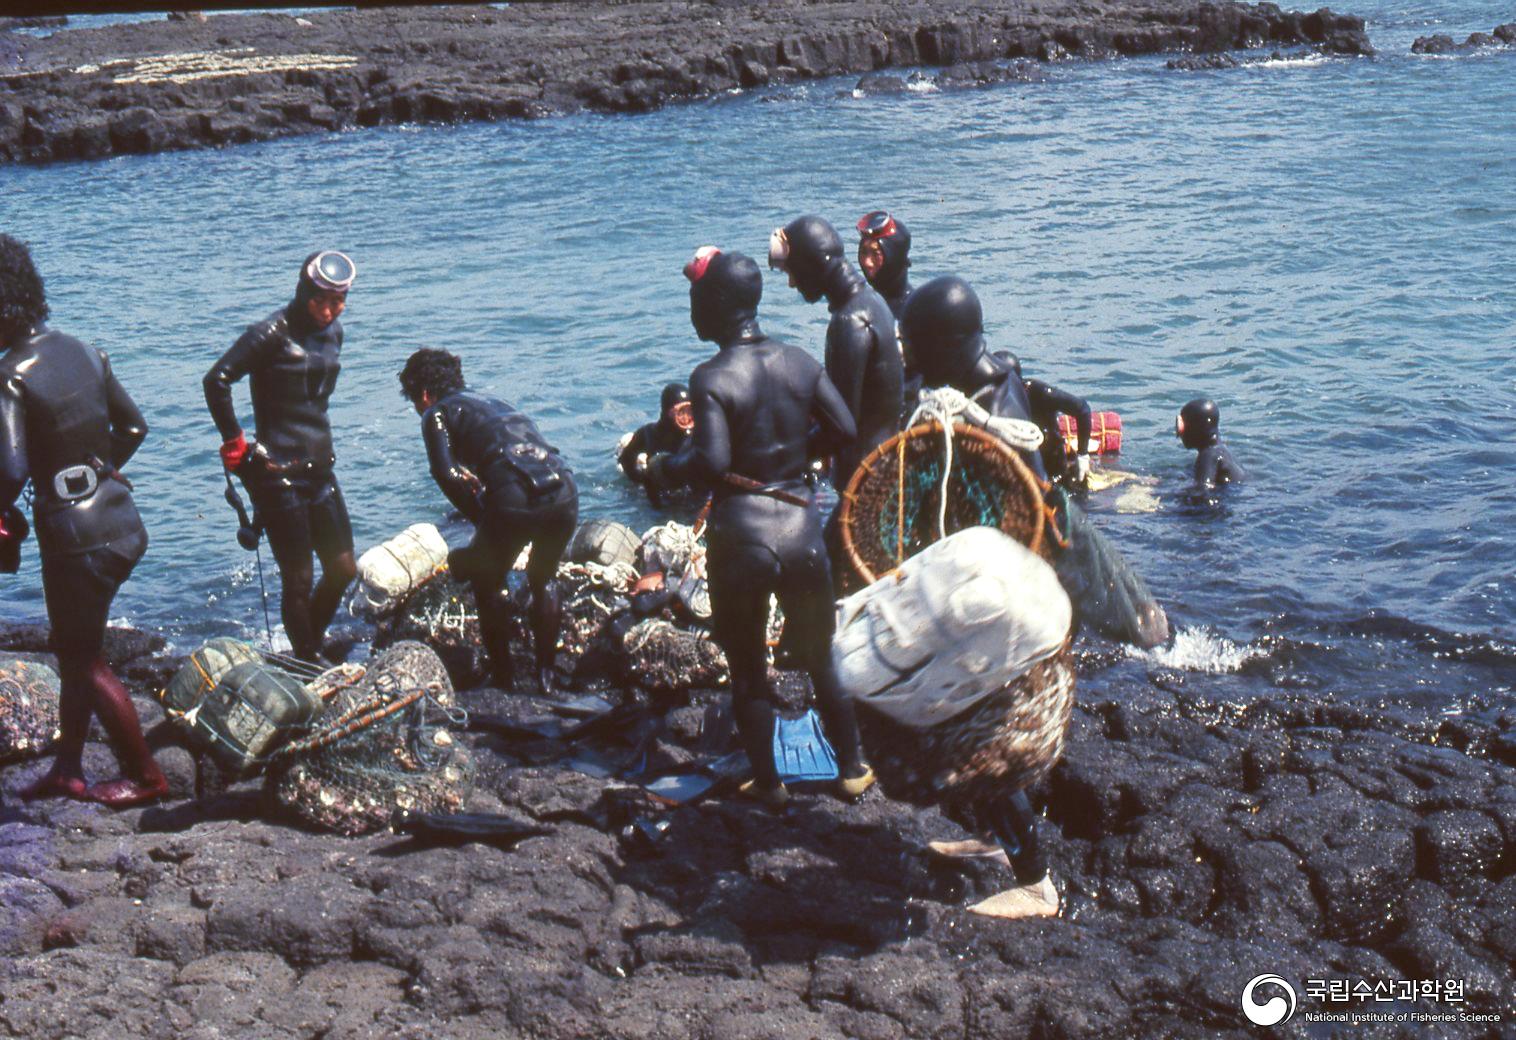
(801, 751)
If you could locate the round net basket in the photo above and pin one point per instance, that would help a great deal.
(891, 508)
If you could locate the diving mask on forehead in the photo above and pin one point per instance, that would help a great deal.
(331, 271)
(779, 250)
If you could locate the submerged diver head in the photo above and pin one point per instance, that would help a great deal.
(321, 293)
(724, 292)
(23, 304)
(809, 250)
(430, 375)
(942, 331)
(674, 408)
(884, 250)
(1199, 423)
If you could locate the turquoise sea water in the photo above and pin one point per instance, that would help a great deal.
(1326, 246)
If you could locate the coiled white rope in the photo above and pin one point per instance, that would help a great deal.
(944, 405)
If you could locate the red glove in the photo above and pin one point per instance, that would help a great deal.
(233, 452)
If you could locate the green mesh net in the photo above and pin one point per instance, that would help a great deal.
(894, 506)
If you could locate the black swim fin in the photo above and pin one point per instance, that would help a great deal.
(432, 829)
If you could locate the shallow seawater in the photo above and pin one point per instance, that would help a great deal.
(1324, 245)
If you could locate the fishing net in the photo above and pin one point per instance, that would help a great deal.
(665, 658)
(442, 615)
(1107, 593)
(894, 505)
(592, 596)
(29, 695)
(381, 743)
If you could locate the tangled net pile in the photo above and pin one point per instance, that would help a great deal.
(380, 744)
(28, 708)
(663, 658)
(593, 594)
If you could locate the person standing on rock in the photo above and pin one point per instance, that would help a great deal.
(68, 426)
(494, 466)
(756, 403)
(293, 358)
(862, 351)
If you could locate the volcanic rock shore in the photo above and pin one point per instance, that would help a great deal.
(148, 87)
(1198, 844)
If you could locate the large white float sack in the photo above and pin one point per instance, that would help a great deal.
(392, 570)
(955, 623)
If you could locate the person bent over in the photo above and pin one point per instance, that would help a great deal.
(493, 465)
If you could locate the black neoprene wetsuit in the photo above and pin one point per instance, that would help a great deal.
(68, 426)
(1047, 403)
(663, 437)
(755, 405)
(1215, 465)
(492, 463)
(863, 363)
(293, 368)
(995, 384)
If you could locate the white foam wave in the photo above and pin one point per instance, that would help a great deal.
(1304, 61)
(1199, 650)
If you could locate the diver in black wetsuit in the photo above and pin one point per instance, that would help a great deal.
(942, 331)
(1199, 427)
(1048, 402)
(862, 352)
(293, 358)
(884, 255)
(68, 426)
(756, 402)
(494, 466)
(676, 420)
(942, 334)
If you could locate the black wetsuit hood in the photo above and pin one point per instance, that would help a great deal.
(673, 394)
(942, 328)
(1199, 424)
(815, 256)
(724, 299)
(892, 279)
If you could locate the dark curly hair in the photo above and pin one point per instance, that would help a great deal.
(23, 304)
(437, 372)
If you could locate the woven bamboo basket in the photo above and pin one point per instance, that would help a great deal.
(891, 507)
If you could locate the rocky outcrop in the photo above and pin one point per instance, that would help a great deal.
(1198, 843)
(184, 84)
(1500, 36)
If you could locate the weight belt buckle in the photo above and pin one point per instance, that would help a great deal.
(73, 483)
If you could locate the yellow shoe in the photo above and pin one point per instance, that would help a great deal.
(852, 789)
(775, 798)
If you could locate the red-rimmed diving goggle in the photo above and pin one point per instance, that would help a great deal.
(878, 224)
(695, 269)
